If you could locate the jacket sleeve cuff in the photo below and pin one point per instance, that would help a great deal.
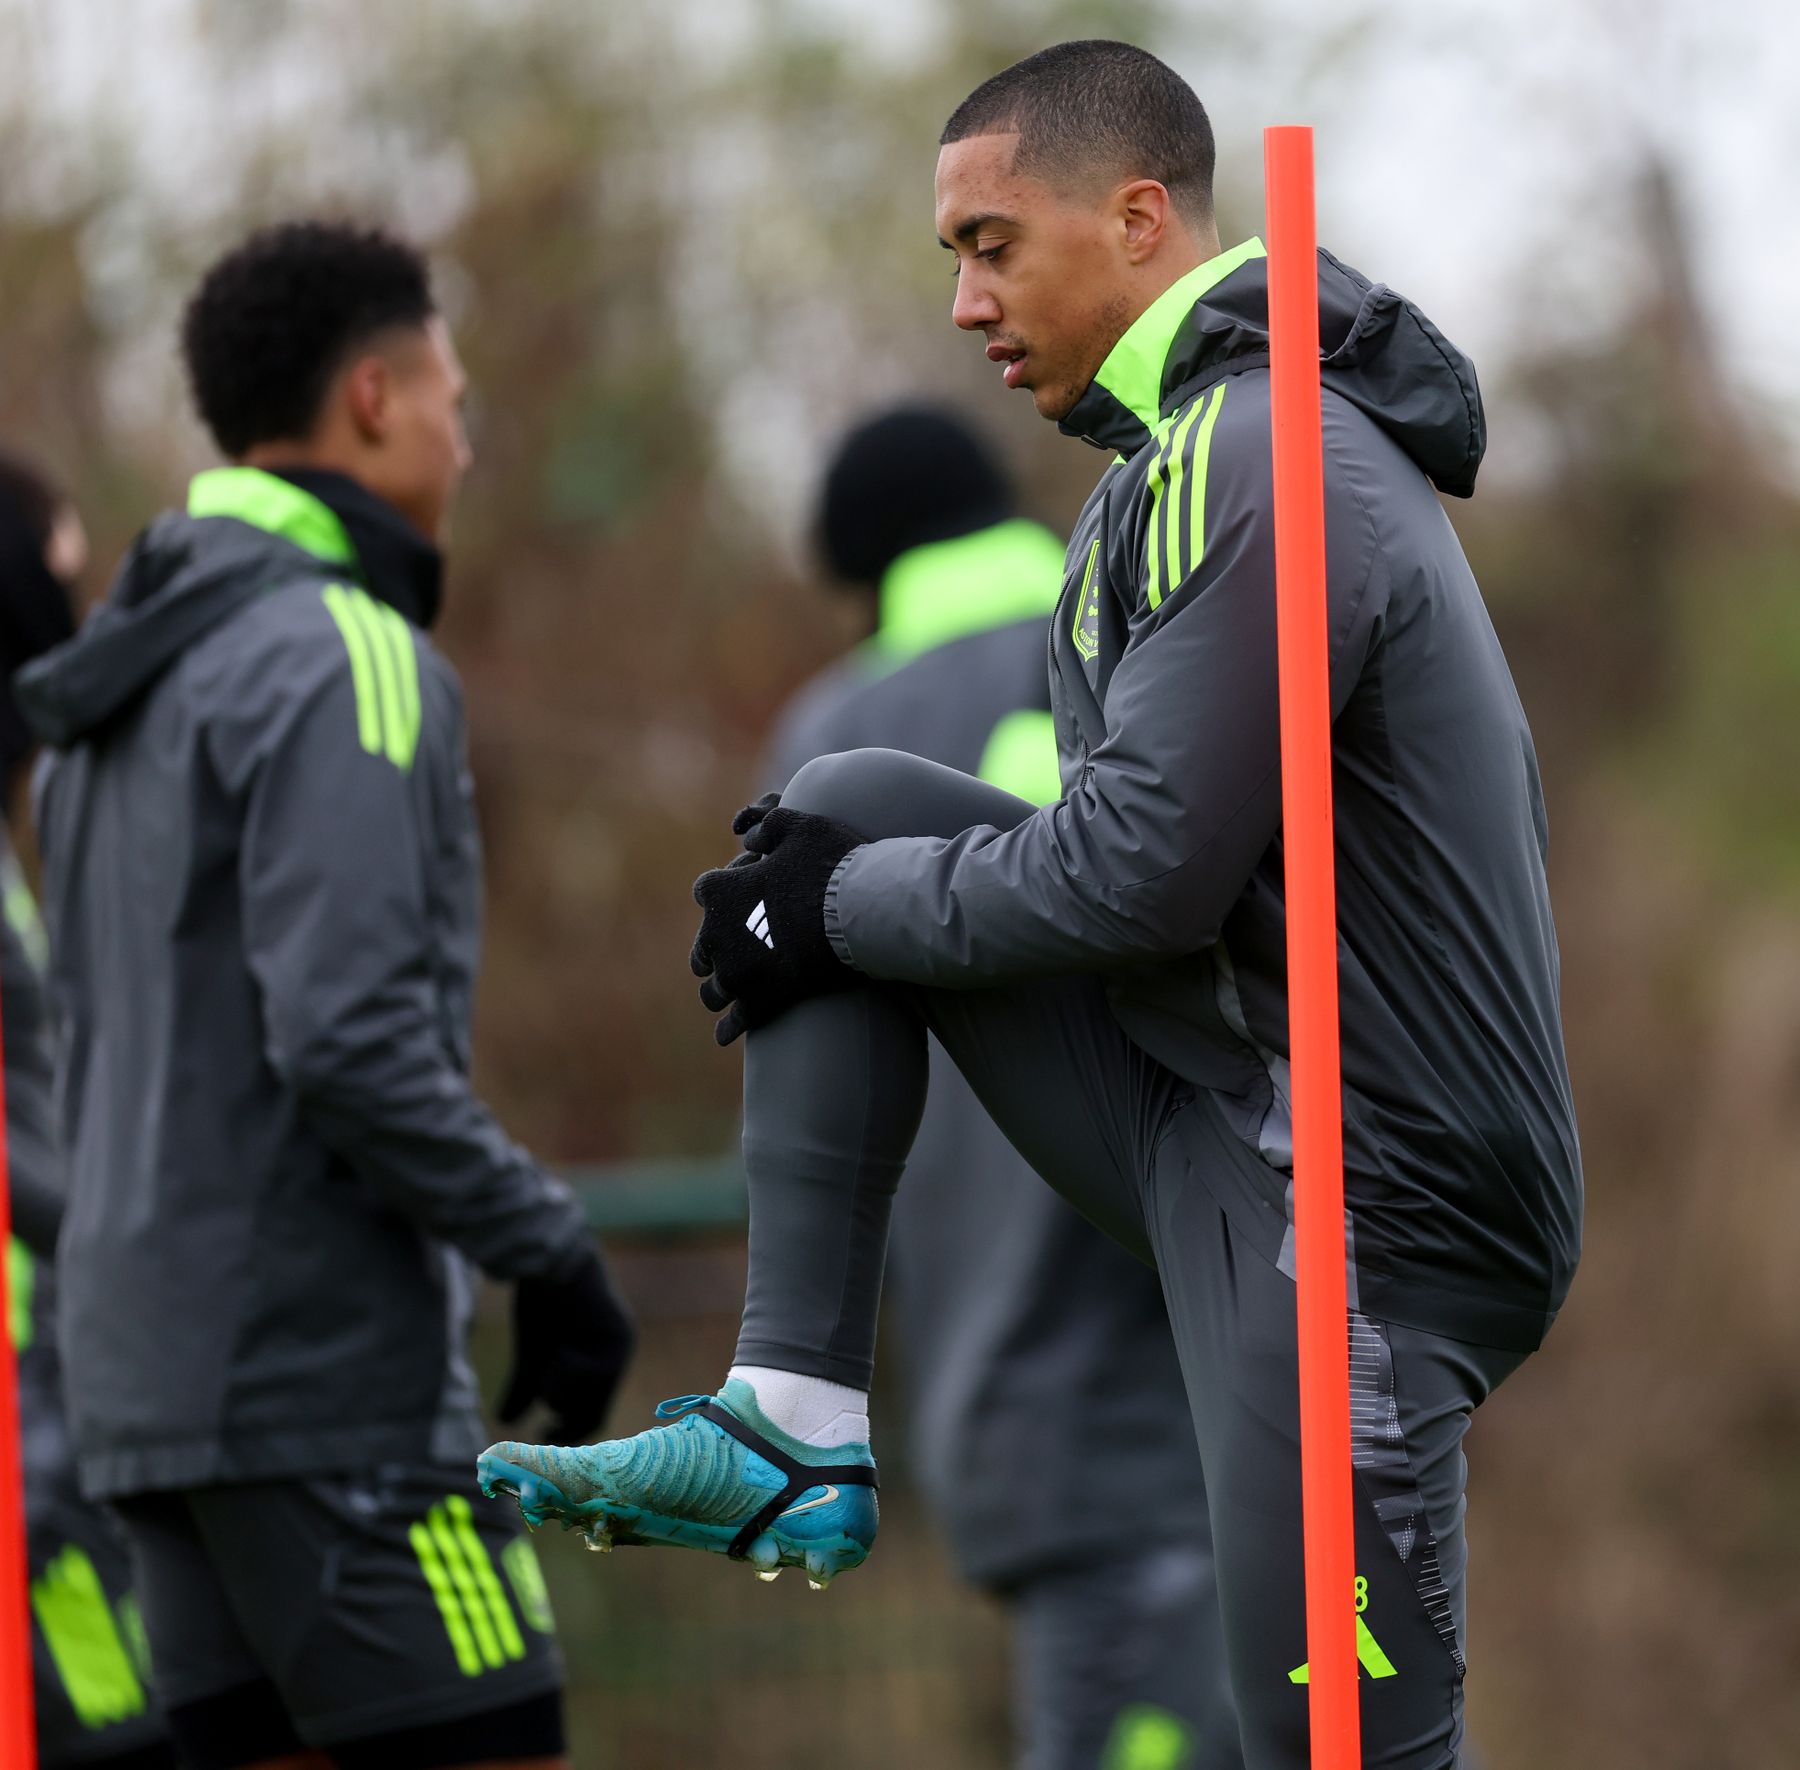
(834, 926)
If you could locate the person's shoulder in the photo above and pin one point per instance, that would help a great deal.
(1223, 418)
(319, 638)
(324, 624)
(1231, 413)
(1223, 439)
(284, 622)
(817, 718)
(1213, 444)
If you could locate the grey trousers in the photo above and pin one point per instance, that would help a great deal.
(832, 1096)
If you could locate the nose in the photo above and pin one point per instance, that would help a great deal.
(975, 305)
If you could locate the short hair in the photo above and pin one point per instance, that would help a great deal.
(1097, 109)
(276, 317)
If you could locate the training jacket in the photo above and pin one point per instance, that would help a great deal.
(33, 1172)
(1161, 866)
(262, 886)
(1036, 1352)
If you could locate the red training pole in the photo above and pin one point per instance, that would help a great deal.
(18, 1727)
(1306, 826)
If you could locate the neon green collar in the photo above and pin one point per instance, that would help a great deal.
(268, 502)
(1132, 372)
(947, 590)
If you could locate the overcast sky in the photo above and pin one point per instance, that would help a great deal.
(1478, 136)
(1476, 156)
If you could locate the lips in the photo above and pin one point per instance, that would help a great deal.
(1012, 356)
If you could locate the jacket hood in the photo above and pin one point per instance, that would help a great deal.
(244, 531)
(182, 577)
(1377, 350)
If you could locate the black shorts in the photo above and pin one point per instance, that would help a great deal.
(365, 1604)
(90, 1676)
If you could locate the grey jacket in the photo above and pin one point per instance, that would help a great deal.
(262, 885)
(34, 1174)
(1036, 1353)
(1161, 867)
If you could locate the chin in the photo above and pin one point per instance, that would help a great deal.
(1054, 403)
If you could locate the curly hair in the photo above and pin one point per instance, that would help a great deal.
(276, 317)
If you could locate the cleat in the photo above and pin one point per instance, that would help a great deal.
(771, 1576)
(717, 1476)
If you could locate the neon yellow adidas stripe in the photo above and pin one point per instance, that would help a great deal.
(1175, 491)
(384, 669)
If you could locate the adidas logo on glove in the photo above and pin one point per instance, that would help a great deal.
(758, 924)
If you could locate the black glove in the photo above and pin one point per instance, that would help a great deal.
(572, 1340)
(762, 946)
(749, 820)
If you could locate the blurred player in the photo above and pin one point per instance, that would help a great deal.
(1109, 973)
(91, 1681)
(1027, 1338)
(262, 881)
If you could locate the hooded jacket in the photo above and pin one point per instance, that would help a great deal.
(1161, 865)
(35, 1181)
(262, 888)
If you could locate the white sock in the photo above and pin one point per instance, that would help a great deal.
(809, 1408)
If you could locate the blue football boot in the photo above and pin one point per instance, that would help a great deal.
(717, 1476)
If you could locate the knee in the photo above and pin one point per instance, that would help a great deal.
(844, 786)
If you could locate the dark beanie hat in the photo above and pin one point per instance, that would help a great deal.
(911, 475)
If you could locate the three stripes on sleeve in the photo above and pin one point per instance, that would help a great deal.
(1177, 484)
(384, 665)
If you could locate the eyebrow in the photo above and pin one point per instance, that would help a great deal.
(967, 230)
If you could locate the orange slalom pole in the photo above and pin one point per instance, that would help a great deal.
(1303, 643)
(18, 1725)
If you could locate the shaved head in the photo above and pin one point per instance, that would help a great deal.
(1093, 114)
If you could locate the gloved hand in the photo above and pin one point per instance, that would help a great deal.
(572, 1340)
(750, 818)
(762, 945)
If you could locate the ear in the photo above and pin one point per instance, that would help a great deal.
(1145, 216)
(368, 396)
(66, 554)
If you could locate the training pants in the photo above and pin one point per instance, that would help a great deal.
(832, 1095)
